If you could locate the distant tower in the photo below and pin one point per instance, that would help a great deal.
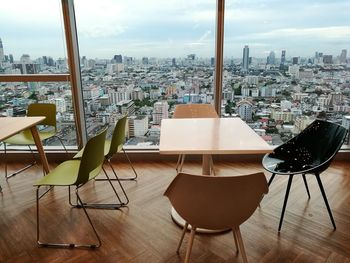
(271, 59)
(2, 57)
(343, 56)
(118, 59)
(245, 64)
(283, 57)
(173, 62)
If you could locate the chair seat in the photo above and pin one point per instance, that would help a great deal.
(292, 165)
(25, 137)
(65, 174)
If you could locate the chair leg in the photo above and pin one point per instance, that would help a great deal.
(325, 199)
(182, 237)
(271, 179)
(285, 200)
(179, 170)
(132, 167)
(306, 186)
(108, 206)
(240, 244)
(178, 163)
(63, 245)
(189, 245)
(7, 176)
(236, 241)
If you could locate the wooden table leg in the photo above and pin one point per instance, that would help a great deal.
(206, 165)
(40, 149)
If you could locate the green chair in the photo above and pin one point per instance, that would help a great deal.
(75, 173)
(113, 146)
(25, 137)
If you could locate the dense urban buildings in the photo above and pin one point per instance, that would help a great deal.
(276, 97)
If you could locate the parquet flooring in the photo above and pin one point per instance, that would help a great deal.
(145, 232)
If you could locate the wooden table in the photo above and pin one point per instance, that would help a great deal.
(210, 136)
(206, 137)
(12, 125)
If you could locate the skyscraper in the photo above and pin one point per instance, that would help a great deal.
(283, 57)
(245, 64)
(2, 57)
(271, 59)
(343, 56)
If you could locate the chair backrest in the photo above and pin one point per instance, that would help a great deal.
(92, 158)
(118, 136)
(184, 111)
(216, 202)
(315, 146)
(43, 109)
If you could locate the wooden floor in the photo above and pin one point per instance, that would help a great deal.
(145, 232)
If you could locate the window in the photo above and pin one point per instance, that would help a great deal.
(286, 63)
(141, 58)
(32, 43)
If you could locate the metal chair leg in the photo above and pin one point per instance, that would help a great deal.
(325, 199)
(285, 201)
(104, 205)
(132, 167)
(271, 179)
(64, 245)
(306, 186)
(20, 170)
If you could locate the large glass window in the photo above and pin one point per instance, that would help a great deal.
(286, 63)
(32, 42)
(141, 58)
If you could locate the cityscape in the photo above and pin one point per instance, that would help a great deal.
(278, 96)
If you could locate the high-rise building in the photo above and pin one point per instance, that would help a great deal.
(212, 62)
(327, 59)
(2, 57)
(11, 58)
(283, 57)
(138, 126)
(295, 60)
(145, 61)
(271, 59)
(118, 59)
(160, 111)
(245, 64)
(343, 56)
(173, 62)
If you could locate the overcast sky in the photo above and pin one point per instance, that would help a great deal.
(176, 28)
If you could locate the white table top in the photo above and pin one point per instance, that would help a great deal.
(12, 125)
(210, 136)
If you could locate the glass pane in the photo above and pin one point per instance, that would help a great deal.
(32, 37)
(286, 63)
(32, 42)
(141, 58)
(15, 98)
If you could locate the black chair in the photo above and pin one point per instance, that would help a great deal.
(310, 152)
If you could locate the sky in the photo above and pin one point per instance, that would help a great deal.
(176, 28)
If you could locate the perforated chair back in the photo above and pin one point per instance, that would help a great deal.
(216, 202)
(183, 111)
(92, 158)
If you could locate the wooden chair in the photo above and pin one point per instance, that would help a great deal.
(216, 202)
(185, 111)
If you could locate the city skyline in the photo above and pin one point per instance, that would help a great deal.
(177, 27)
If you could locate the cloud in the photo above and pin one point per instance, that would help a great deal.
(334, 32)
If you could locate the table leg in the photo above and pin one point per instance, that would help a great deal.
(206, 165)
(40, 149)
